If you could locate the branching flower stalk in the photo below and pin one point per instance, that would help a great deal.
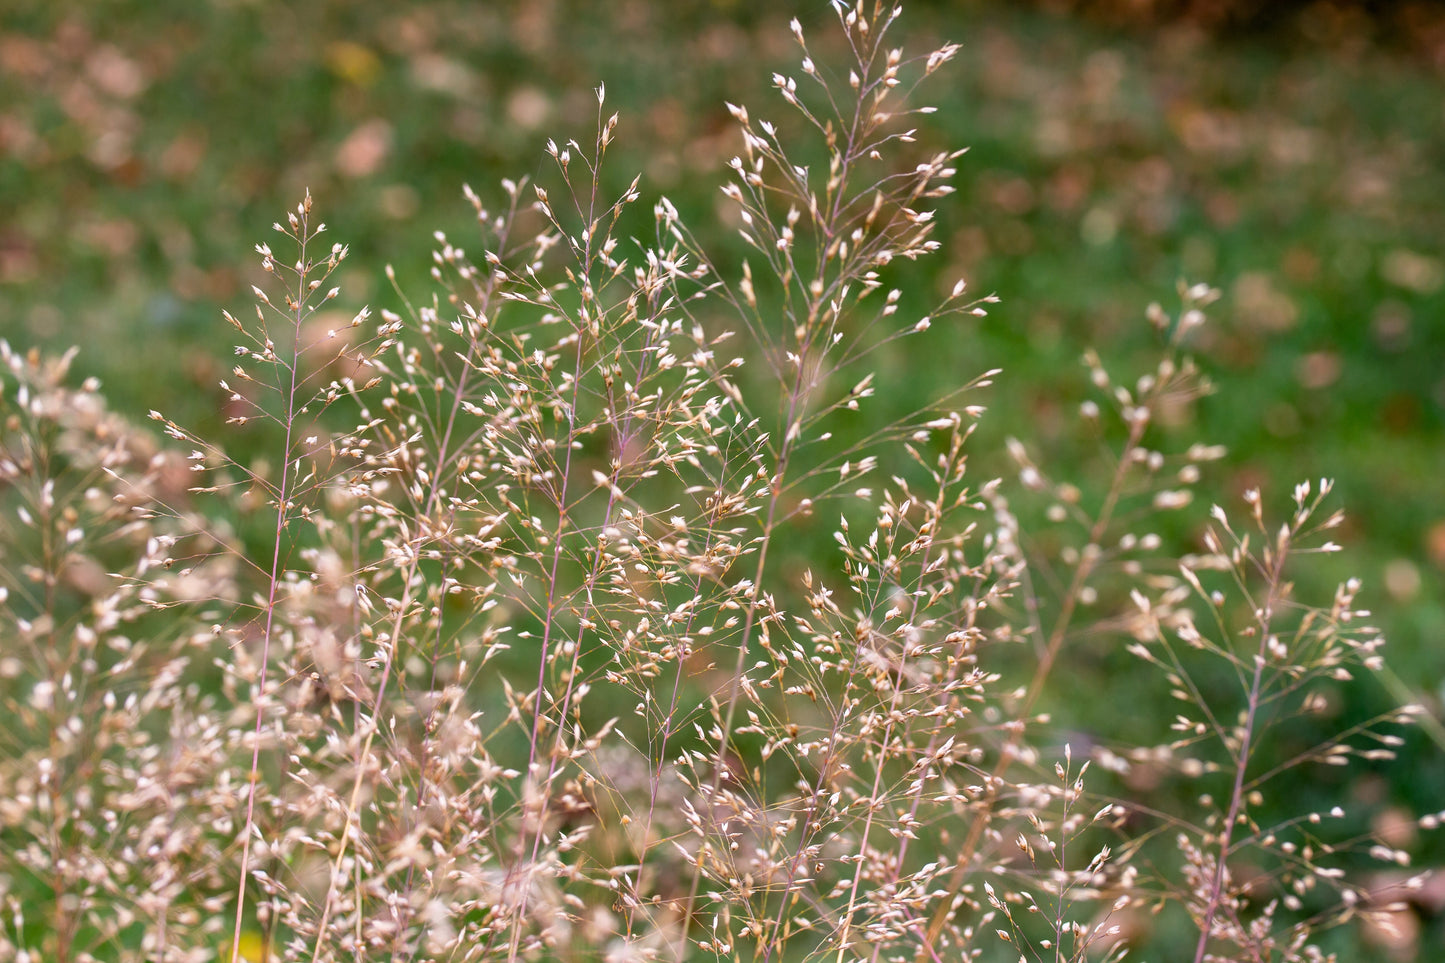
(1241, 754)
(484, 292)
(1268, 683)
(1175, 382)
(585, 329)
(851, 240)
(299, 307)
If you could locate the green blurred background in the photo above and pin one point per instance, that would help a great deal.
(1293, 154)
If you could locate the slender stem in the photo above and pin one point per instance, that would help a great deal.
(485, 293)
(1241, 765)
(549, 625)
(798, 398)
(981, 821)
(403, 606)
(282, 497)
(750, 618)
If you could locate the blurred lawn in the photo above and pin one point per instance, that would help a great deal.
(145, 147)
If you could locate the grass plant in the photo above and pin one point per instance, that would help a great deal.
(537, 659)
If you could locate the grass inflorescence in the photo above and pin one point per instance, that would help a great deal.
(537, 658)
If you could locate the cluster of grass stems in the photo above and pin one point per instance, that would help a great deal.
(538, 659)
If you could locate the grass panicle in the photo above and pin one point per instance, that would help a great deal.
(570, 614)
